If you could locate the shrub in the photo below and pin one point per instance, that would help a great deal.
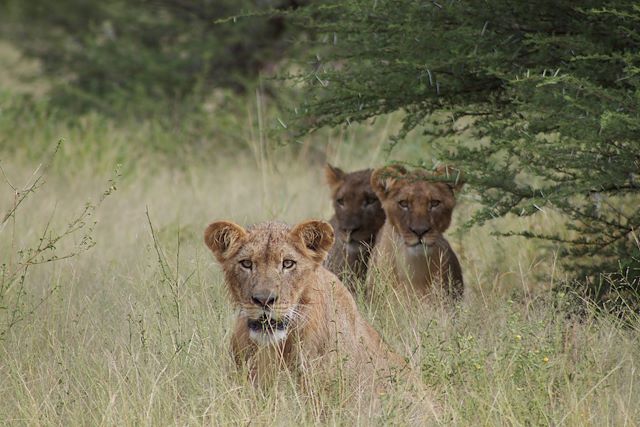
(537, 101)
(117, 54)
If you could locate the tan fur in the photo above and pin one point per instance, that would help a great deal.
(325, 328)
(411, 246)
(357, 219)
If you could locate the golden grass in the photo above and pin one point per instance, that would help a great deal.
(119, 341)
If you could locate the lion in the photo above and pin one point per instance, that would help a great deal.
(411, 247)
(358, 218)
(293, 313)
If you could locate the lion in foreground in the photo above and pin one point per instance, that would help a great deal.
(411, 247)
(294, 315)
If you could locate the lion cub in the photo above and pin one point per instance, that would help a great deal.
(358, 218)
(411, 246)
(293, 313)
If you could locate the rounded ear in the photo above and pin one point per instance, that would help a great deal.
(382, 179)
(223, 238)
(455, 175)
(335, 176)
(313, 239)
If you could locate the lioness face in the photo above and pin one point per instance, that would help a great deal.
(418, 209)
(357, 208)
(267, 271)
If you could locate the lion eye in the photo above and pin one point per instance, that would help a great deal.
(340, 202)
(246, 263)
(370, 200)
(404, 204)
(288, 263)
(434, 203)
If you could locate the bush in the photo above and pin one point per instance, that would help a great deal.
(538, 102)
(114, 55)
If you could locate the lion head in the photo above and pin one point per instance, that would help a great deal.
(269, 270)
(358, 210)
(417, 205)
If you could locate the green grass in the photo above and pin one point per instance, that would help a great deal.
(133, 333)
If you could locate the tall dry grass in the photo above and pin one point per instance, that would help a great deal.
(134, 331)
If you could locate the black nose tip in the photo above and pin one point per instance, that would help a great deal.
(264, 299)
(420, 231)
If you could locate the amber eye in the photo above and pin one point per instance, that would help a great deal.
(434, 203)
(288, 263)
(340, 202)
(404, 204)
(246, 263)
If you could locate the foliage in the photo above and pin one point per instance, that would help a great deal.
(538, 102)
(105, 54)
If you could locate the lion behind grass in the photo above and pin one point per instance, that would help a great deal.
(411, 248)
(358, 217)
(293, 314)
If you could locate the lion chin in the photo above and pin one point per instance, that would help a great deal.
(269, 329)
(265, 338)
(422, 245)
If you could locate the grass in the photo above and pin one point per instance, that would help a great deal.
(135, 329)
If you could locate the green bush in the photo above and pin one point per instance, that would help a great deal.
(538, 102)
(119, 55)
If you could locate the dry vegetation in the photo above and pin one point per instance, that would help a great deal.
(134, 330)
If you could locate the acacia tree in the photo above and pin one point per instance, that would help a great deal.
(549, 92)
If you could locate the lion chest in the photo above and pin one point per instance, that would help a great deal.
(413, 265)
(304, 350)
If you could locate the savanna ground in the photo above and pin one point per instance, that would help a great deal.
(134, 330)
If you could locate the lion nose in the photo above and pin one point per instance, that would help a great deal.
(350, 230)
(264, 299)
(421, 231)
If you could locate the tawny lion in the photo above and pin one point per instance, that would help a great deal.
(411, 246)
(293, 313)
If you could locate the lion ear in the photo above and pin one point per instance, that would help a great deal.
(223, 238)
(383, 179)
(313, 239)
(450, 172)
(335, 176)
